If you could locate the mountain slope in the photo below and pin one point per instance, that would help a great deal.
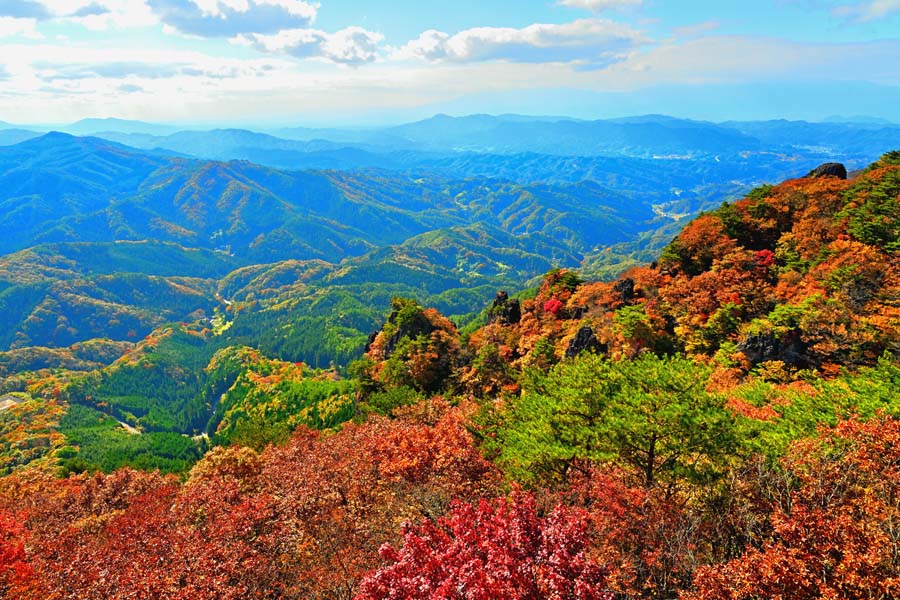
(646, 137)
(794, 279)
(64, 189)
(11, 136)
(56, 177)
(109, 241)
(95, 126)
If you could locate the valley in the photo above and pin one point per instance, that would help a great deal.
(424, 325)
(122, 240)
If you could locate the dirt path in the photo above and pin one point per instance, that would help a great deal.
(129, 428)
(7, 402)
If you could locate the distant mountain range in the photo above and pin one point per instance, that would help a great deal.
(93, 126)
(60, 188)
(648, 136)
(104, 240)
(115, 234)
(14, 136)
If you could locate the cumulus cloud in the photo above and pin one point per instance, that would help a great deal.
(49, 71)
(350, 46)
(13, 26)
(23, 9)
(744, 59)
(90, 10)
(228, 18)
(96, 15)
(871, 10)
(597, 6)
(593, 42)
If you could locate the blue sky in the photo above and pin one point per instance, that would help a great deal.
(359, 61)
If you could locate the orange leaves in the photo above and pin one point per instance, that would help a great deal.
(836, 537)
(15, 572)
(700, 243)
(303, 520)
(444, 453)
(307, 520)
(347, 493)
(746, 409)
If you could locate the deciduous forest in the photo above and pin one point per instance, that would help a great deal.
(719, 424)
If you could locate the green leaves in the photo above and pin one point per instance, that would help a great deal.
(651, 416)
(872, 210)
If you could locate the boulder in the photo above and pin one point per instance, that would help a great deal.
(829, 170)
(584, 341)
(505, 310)
(765, 346)
(625, 289)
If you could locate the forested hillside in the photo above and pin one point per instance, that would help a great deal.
(721, 423)
(105, 241)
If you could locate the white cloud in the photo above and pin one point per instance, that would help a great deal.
(351, 46)
(697, 29)
(72, 71)
(208, 18)
(12, 26)
(222, 8)
(80, 67)
(120, 14)
(746, 59)
(227, 18)
(23, 9)
(872, 10)
(598, 6)
(95, 15)
(593, 42)
(62, 81)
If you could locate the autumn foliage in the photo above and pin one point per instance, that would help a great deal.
(720, 425)
(802, 276)
(302, 520)
(833, 531)
(491, 551)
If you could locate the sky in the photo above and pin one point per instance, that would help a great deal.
(358, 62)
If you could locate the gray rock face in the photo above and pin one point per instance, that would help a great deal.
(504, 310)
(625, 289)
(412, 328)
(584, 341)
(761, 347)
(829, 170)
(370, 341)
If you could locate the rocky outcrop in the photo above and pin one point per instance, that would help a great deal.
(829, 170)
(625, 290)
(584, 341)
(505, 310)
(370, 341)
(412, 326)
(765, 346)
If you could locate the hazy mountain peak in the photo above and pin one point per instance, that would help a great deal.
(99, 125)
(857, 119)
(61, 139)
